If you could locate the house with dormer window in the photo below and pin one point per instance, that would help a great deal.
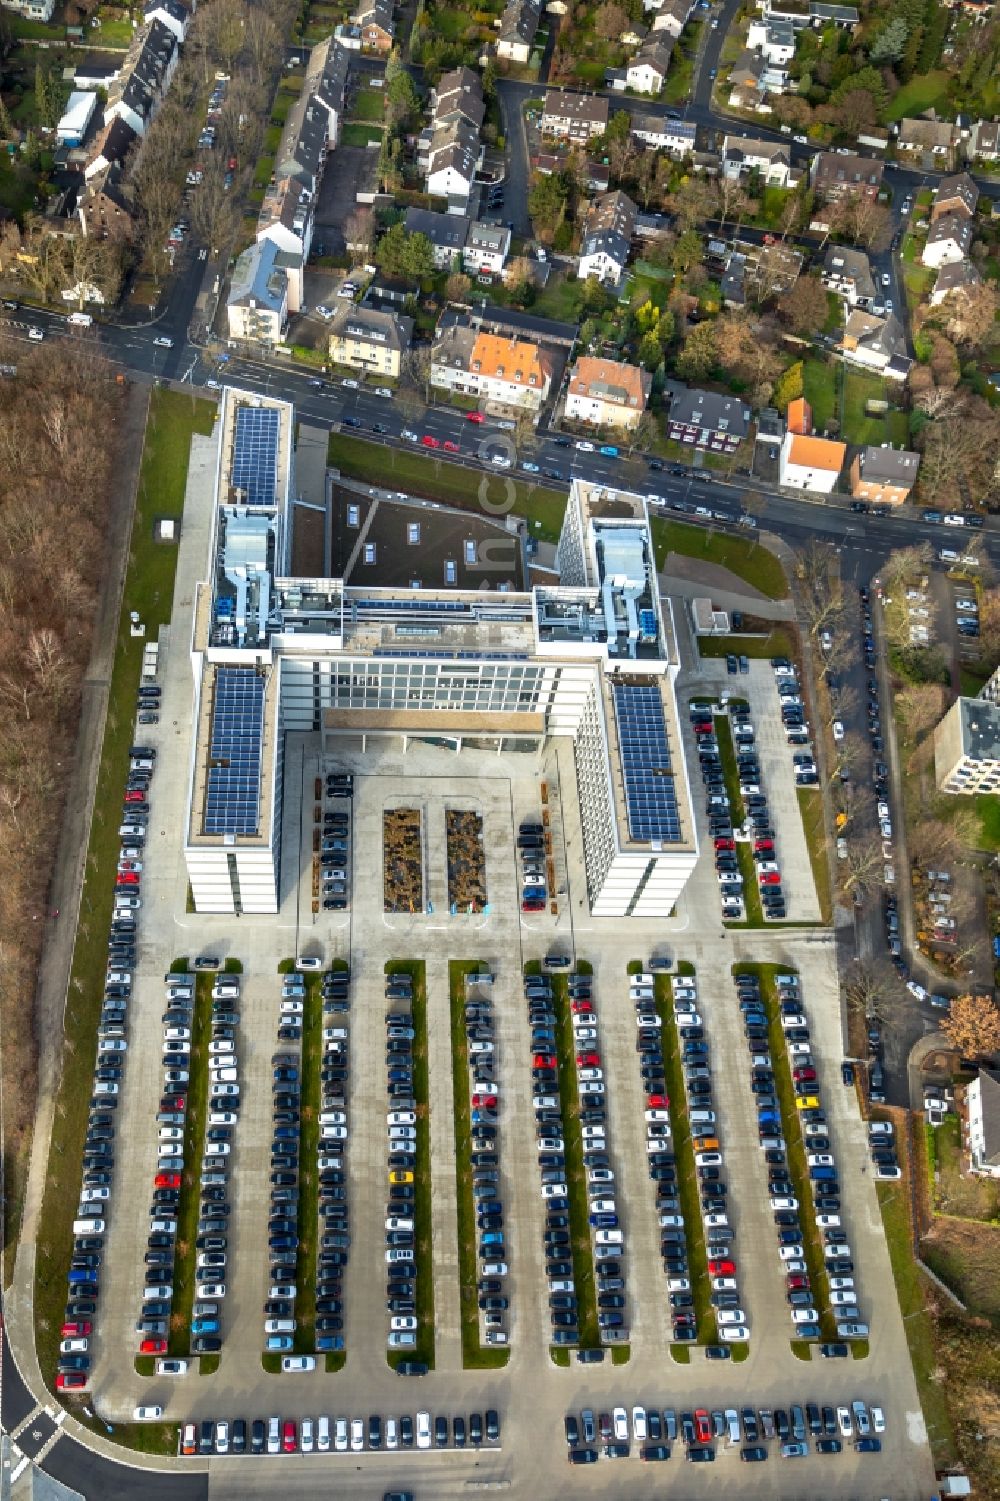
(490, 367)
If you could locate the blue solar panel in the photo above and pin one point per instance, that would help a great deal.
(650, 797)
(255, 454)
(232, 796)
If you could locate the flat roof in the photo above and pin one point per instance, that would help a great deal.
(205, 824)
(980, 729)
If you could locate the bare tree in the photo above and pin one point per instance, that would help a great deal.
(819, 585)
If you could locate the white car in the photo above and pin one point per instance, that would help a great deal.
(358, 1435)
(171, 1367)
(620, 1417)
(340, 1439)
(838, 730)
(500, 460)
(584, 447)
(554, 1190)
(423, 1430)
(885, 279)
(177, 1034)
(878, 1419)
(36, 334)
(639, 1424)
(397, 1118)
(162, 342)
(917, 991)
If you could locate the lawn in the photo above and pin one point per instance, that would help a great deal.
(474, 1354)
(263, 171)
(772, 207)
(687, 1177)
(368, 105)
(173, 418)
(310, 1059)
(579, 1228)
(779, 643)
(743, 556)
(109, 33)
(449, 483)
(17, 185)
(819, 385)
(559, 299)
(926, 91)
(860, 387)
(360, 135)
(798, 1172)
(680, 70)
(814, 826)
(423, 1203)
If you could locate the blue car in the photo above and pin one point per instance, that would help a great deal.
(608, 450)
(604, 1221)
(205, 1326)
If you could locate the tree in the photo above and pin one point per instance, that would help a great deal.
(645, 433)
(969, 315)
(620, 145)
(815, 571)
(263, 39)
(224, 24)
(972, 1026)
(687, 251)
(695, 200)
(788, 386)
(548, 198)
(890, 43)
(650, 352)
(610, 20)
(699, 354)
(862, 865)
(402, 99)
(359, 231)
(854, 110)
(401, 254)
(803, 308)
(457, 287)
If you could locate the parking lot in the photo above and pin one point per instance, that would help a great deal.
(530, 1393)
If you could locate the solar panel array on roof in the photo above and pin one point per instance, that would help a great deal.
(232, 797)
(650, 797)
(255, 454)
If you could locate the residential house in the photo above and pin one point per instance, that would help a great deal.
(376, 26)
(948, 239)
(447, 233)
(104, 208)
(799, 417)
(834, 176)
(743, 155)
(257, 305)
(816, 14)
(607, 237)
(518, 26)
(173, 13)
(675, 137)
(453, 157)
(510, 371)
(967, 748)
(733, 283)
(878, 343)
(111, 147)
(670, 16)
(955, 276)
(325, 84)
(707, 419)
(32, 10)
(647, 71)
(885, 475)
(136, 92)
(808, 463)
(934, 138)
(984, 141)
(746, 81)
(367, 339)
(286, 217)
(458, 96)
(848, 272)
(982, 1123)
(487, 247)
(774, 38)
(955, 195)
(606, 394)
(574, 117)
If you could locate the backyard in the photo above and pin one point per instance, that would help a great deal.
(839, 393)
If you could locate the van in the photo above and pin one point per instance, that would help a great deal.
(80, 320)
(88, 1226)
(701, 1118)
(479, 977)
(609, 1237)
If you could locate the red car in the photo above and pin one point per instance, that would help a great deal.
(173, 1102)
(725, 844)
(137, 795)
(474, 417)
(167, 1180)
(289, 1436)
(763, 846)
(544, 1060)
(657, 1102)
(804, 1075)
(484, 1101)
(71, 1381)
(156, 1346)
(429, 442)
(128, 878)
(76, 1329)
(588, 1060)
(772, 878)
(231, 164)
(532, 904)
(796, 1279)
(703, 1426)
(451, 445)
(721, 1268)
(582, 1007)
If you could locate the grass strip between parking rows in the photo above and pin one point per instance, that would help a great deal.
(795, 1151)
(687, 1176)
(149, 582)
(475, 1356)
(424, 1196)
(576, 1183)
(751, 895)
(311, 1052)
(195, 1117)
(336, 1359)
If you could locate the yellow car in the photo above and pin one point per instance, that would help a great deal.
(397, 1176)
(807, 1102)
